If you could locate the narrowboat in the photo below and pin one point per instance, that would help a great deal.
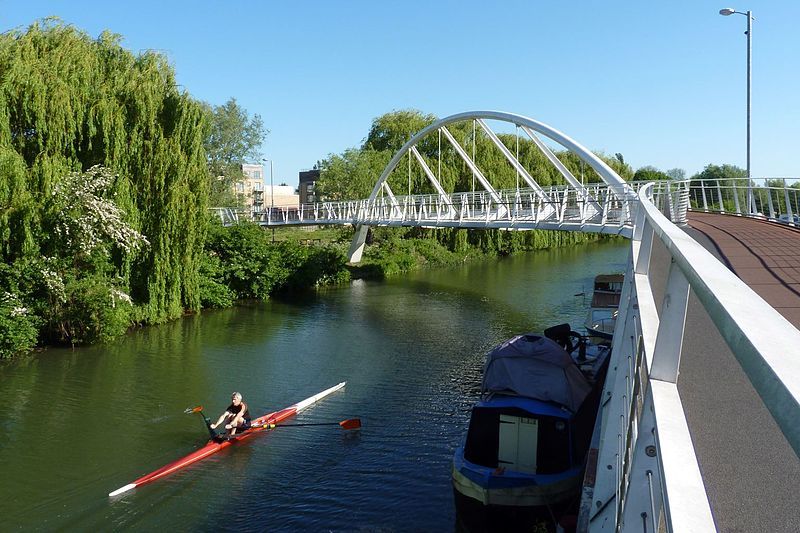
(602, 317)
(529, 434)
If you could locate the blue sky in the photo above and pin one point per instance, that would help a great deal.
(661, 83)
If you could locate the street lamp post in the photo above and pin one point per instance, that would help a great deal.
(271, 196)
(749, 14)
(271, 187)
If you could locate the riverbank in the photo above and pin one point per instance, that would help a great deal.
(375, 335)
(393, 251)
(245, 263)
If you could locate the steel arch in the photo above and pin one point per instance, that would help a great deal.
(530, 126)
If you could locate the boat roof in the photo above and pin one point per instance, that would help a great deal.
(535, 407)
(534, 366)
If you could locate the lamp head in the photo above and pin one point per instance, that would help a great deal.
(727, 11)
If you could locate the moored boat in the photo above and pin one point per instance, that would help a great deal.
(215, 444)
(529, 433)
(602, 317)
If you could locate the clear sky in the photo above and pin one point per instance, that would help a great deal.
(662, 83)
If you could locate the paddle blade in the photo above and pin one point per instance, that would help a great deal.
(351, 423)
(190, 410)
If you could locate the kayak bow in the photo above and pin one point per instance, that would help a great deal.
(213, 446)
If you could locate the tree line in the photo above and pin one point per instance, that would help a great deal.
(107, 170)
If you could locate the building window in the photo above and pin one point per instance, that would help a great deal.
(256, 174)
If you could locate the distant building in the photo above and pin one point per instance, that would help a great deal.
(280, 196)
(308, 181)
(251, 189)
(257, 196)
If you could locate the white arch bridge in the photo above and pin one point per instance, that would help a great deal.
(647, 475)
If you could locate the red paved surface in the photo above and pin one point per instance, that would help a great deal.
(765, 255)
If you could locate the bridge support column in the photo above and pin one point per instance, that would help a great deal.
(357, 246)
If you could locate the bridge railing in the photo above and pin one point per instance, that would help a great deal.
(776, 199)
(647, 474)
(597, 205)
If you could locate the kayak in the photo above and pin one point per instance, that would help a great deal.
(261, 423)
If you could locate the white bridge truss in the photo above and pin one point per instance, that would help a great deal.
(647, 475)
(596, 209)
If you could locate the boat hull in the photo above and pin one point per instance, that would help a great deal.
(489, 486)
(261, 423)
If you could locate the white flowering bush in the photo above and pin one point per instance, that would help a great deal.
(78, 276)
(95, 311)
(52, 280)
(19, 327)
(86, 220)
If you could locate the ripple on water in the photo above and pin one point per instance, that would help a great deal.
(412, 351)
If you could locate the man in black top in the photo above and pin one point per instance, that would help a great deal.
(236, 416)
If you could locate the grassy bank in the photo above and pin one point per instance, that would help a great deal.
(394, 251)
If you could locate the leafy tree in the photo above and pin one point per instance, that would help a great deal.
(579, 168)
(352, 174)
(648, 173)
(213, 291)
(392, 130)
(676, 174)
(234, 137)
(69, 102)
(721, 172)
(736, 177)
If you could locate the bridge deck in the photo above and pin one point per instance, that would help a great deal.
(765, 255)
(750, 471)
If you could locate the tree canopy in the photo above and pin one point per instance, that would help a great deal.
(649, 173)
(234, 138)
(720, 172)
(353, 173)
(69, 102)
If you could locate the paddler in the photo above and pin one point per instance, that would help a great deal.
(236, 416)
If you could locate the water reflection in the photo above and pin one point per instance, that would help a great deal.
(78, 424)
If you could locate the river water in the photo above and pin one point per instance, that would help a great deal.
(77, 424)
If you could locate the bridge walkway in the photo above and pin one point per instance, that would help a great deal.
(765, 255)
(750, 470)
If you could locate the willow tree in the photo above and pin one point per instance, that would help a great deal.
(69, 102)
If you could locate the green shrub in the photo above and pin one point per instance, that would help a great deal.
(213, 291)
(94, 311)
(19, 327)
(252, 265)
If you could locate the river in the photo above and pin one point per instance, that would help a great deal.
(77, 424)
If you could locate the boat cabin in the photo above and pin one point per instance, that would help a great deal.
(607, 290)
(528, 436)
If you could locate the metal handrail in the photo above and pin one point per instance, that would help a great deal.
(758, 336)
(775, 199)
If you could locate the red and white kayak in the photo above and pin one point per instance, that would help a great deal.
(213, 446)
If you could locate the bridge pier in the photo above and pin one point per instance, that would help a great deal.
(357, 246)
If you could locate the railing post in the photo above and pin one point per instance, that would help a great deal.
(769, 200)
(736, 198)
(703, 190)
(789, 210)
(719, 196)
(669, 340)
